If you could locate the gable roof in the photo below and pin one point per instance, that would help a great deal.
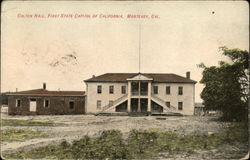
(157, 77)
(44, 92)
(140, 77)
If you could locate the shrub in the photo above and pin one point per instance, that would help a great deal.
(109, 145)
(142, 143)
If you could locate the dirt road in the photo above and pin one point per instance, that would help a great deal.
(75, 126)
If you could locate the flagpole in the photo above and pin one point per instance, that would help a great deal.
(139, 99)
(139, 48)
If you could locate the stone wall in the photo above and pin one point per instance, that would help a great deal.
(58, 105)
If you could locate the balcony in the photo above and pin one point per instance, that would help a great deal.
(135, 93)
(137, 86)
(142, 93)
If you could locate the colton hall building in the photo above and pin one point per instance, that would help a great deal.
(140, 92)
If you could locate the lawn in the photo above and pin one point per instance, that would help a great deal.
(11, 135)
(14, 122)
(140, 144)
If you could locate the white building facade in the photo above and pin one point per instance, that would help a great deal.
(140, 93)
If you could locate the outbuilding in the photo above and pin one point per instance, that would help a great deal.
(44, 102)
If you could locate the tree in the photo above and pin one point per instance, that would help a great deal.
(227, 85)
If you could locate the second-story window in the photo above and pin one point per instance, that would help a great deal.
(99, 89)
(123, 89)
(155, 89)
(111, 89)
(167, 89)
(180, 90)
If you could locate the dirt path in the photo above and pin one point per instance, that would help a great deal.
(75, 126)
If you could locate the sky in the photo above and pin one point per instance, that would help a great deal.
(64, 43)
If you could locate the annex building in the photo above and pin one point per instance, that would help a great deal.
(45, 102)
(140, 93)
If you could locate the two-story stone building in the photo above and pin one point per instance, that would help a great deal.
(140, 92)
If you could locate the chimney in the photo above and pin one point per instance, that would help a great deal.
(16, 89)
(44, 85)
(93, 76)
(188, 75)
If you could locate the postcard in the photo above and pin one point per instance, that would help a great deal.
(124, 79)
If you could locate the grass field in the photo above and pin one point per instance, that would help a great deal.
(16, 122)
(140, 144)
(11, 135)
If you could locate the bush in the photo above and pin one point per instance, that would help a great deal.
(109, 145)
(83, 148)
(141, 144)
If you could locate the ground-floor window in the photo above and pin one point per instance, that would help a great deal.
(98, 104)
(46, 103)
(71, 104)
(111, 103)
(168, 104)
(18, 103)
(180, 105)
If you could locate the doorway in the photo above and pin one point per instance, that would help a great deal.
(33, 105)
(144, 105)
(134, 105)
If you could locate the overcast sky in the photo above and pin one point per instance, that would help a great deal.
(65, 51)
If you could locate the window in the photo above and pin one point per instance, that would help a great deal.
(111, 103)
(18, 103)
(123, 89)
(180, 90)
(155, 89)
(71, 105)
(111, 89)
(180, 105)
(168, 90)
(99, 89)
(46, 103)
(98, 104)
(168, 104)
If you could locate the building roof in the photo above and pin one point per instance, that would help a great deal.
(157, 77)
(44, 92)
